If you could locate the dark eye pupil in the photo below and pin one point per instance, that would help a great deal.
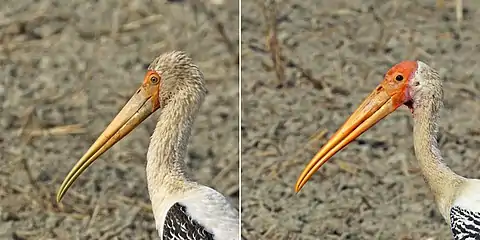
(399, 78)
(154, 79)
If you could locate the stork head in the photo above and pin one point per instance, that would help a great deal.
(408, 83)
(171, 75)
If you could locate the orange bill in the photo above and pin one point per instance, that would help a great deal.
(142, 104)
(385, 99)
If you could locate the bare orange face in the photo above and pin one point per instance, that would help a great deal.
(392, 93)
(151, 87)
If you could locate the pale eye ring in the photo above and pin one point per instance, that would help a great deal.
(399, 77)
(154, 79)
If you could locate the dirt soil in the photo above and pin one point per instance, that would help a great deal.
(67, 67)
(335, 53)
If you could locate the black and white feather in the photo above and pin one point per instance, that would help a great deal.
(465, 224)
(200, 213)
(179, 225)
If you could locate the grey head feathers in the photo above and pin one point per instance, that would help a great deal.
(427, 88)
(179, 76)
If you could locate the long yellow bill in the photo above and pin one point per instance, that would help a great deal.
(385, 99)
(142, 104)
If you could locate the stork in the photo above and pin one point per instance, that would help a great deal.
(183, 209)
(418, 86)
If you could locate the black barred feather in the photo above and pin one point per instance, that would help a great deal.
(179, 225)
(465, 224)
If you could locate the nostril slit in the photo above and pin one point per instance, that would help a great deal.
(379, 88)
(138, 91)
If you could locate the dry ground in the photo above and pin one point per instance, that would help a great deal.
(335, 53)
(77, 62)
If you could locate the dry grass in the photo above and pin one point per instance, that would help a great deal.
(335, 53)
(67, 68)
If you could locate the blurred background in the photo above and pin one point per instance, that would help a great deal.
(67, 67)
(306, 65)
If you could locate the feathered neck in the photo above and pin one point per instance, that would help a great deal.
(165, 158)
(440, 178)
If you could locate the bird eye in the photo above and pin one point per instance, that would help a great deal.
(154, 79)
(399, 78)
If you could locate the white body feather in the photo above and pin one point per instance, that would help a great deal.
(207, 206)
(468, 197)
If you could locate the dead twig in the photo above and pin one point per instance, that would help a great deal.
(37, 43)
(307, 74)
(134, 25)
(459, 11)
(95, 212)
(25, 122)
(58, 130)
(273, 46)
(40, 16)
(220, 27)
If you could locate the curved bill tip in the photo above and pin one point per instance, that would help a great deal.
(374, 108)
(101, 145)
